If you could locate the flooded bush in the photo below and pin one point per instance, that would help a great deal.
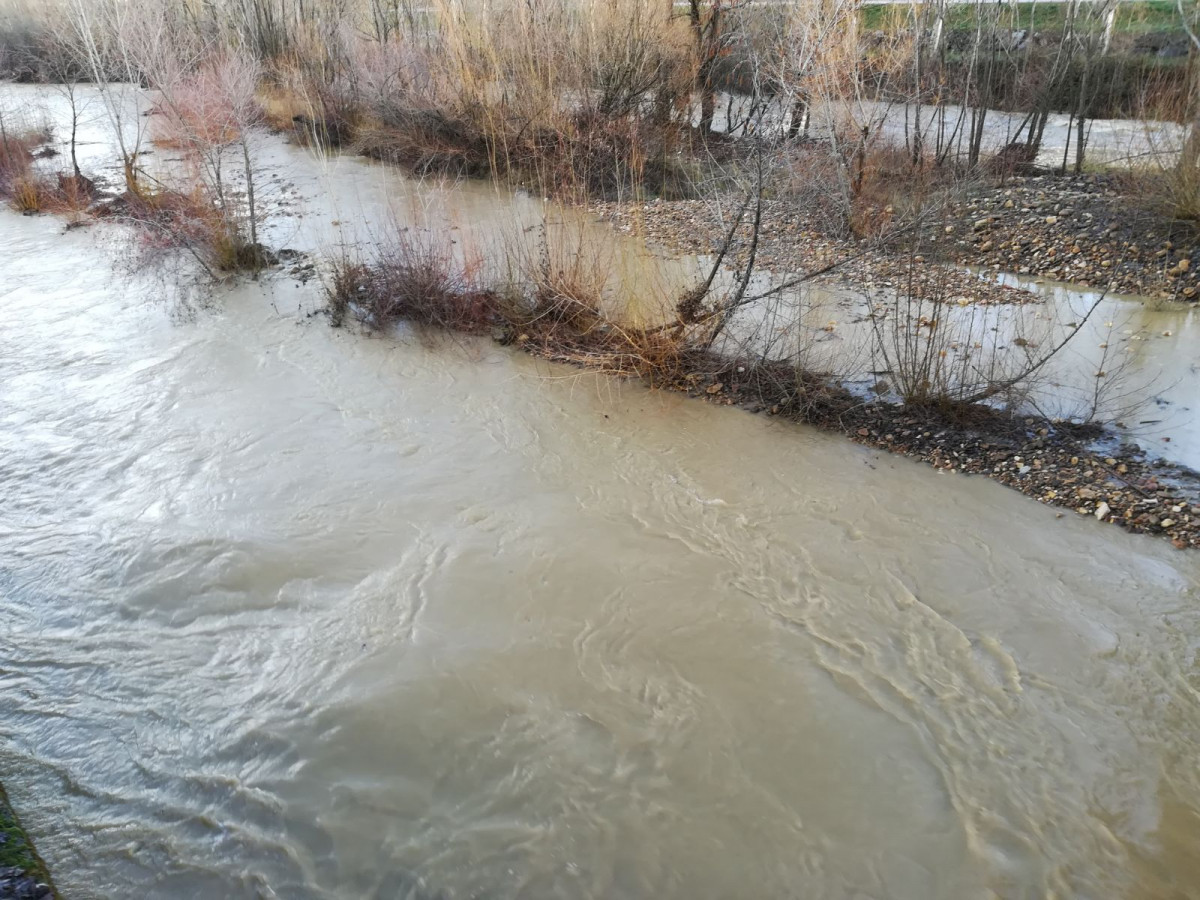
(932, 351)
(29, 183)
(210, 114)
(561, 305)
(409, 277)
(21, 184)
(555, 304)
(165, 222)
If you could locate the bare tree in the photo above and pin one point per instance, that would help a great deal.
(65, 65)
(212, 113)
(102, 33)
(706, 18)
(1189, 158)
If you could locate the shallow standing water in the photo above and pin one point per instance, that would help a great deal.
(285, 612)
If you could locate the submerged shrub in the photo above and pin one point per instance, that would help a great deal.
(25, 188)
(167, 221)
(554, 303)
(210, 113)
(409, 280)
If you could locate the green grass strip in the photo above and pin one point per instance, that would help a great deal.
(16, 850)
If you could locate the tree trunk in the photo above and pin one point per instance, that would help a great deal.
(708, 108)
(1081, 112)
(1189, 156)
(74, 131)
(707, 36)
(799, 121)
(251, 205)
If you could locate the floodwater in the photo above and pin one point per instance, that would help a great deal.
(288, 612)
(1142, 355)
(1131, 361)
(946, 130)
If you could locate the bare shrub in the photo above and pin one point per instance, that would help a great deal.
(556, 304)
(566, 316)
(410, 276)
(935, 353)
(576, 97)
(21, 184)
(210, 114)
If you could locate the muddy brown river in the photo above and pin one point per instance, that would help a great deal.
(290, 612)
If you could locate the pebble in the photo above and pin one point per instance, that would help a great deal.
(1111, 241)
(16, 885)
(792, 241)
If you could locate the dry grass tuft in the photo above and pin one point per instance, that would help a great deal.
(19, 183)
(30, 189)
(411, 280)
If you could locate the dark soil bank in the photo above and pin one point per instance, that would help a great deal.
(23, 875)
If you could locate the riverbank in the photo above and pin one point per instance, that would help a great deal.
(1079, 229)
(1058, 464)
(1055, 462)
(23, 875)
(1085, 229)
(794, 240)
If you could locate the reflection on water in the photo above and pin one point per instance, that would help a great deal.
(287, 612)
(1124, 359)
(1152, 368)
(949, 126)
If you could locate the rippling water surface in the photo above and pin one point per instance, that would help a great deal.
(286, 612)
